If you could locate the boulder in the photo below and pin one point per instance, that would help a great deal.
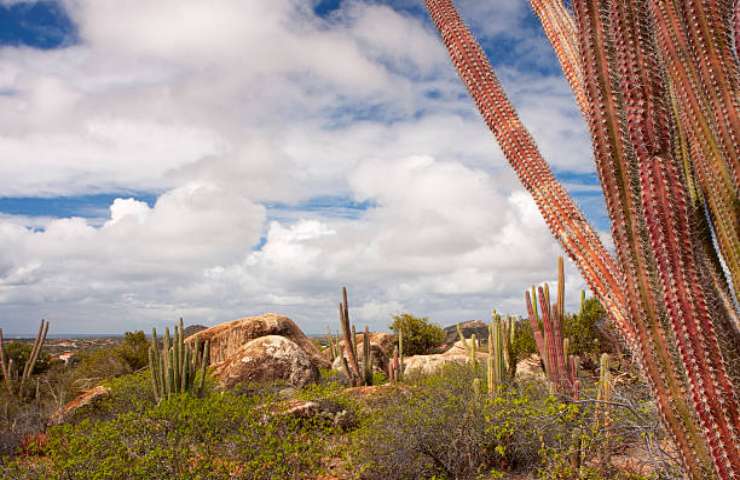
(428, 364)
(530, 369)
(228, 338)
(264, 359)
(85, 399)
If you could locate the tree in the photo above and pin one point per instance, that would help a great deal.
(419, 334)
(657, 83)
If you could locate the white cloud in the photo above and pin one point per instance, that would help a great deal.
(222, 110)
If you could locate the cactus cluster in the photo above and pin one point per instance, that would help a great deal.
(333, 344)
(471, 346)
(657, 83)
(501, 364)
(350, 362)
(14, 381)
(177, 367)
(560, 366)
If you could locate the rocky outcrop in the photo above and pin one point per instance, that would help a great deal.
(229, 338)
(266, 359)
(477, 327)
(86, 399)
(428, 364)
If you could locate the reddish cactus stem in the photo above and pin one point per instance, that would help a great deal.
(560, 30)
(562, 216)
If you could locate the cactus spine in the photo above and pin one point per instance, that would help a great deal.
(174, 369)
(13, 384)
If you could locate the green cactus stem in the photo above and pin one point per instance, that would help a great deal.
(367, 358)
(174, 369)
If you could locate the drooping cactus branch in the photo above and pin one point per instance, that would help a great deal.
(664, 292)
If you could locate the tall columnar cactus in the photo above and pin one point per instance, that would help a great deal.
(367, 357)
(664, 291)
(350, 362)
(332, 344)
(561, 367)
(602, 413)
(15, 382)
(500, 363)
(395, 367)
(177, 368)
(471, 346)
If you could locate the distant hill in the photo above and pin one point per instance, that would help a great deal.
(477, 327)
(193, 329)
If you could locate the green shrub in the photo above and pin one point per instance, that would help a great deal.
(19, 353)
(134, 350)
(218, 437)
(583, 331)
(523, 342)
(419, 334)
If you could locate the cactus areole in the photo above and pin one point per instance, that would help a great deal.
(658, 84)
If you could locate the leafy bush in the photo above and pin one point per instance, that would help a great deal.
(419, 334)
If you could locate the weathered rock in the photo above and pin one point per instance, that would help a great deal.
(86, 399)
(428, 364)
(264, 359)
(477, 327)
(530, 369)
(228, 338)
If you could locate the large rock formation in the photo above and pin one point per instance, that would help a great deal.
(428, 364)
(266, 359)
(228, 338)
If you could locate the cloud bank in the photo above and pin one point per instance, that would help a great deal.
(237, 118)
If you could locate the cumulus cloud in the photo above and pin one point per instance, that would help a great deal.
(223, 112)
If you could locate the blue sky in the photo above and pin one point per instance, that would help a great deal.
(259, 169)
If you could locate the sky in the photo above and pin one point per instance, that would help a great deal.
(213, 160)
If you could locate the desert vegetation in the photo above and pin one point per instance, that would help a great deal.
(516, 402)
